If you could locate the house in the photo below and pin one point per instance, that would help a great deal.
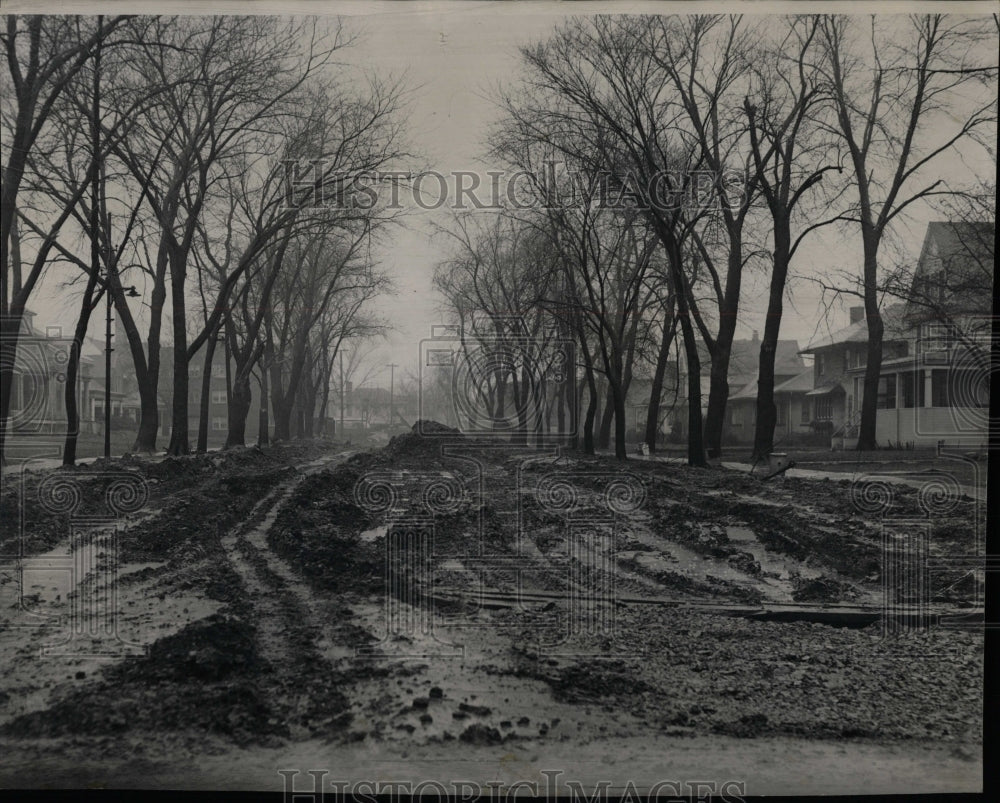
(741, 409)
(37, 401)
(933, 384)
(793, 423)
(366, 407)
(839, 360)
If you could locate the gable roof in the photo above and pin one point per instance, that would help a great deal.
(800, 383)
(961, 240)
(797, 384)
(857, 332)
(744, 357)
(954, 273)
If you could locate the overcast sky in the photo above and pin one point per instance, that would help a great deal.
(452, 53)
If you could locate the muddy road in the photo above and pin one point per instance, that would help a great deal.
(443, 608)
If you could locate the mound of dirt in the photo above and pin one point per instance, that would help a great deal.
(203, 677)
(210, 649)
(424, 439)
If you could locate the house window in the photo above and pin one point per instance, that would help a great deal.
(736, 415)
(824, 408)
(218, 423)
(218, 397)
(781, 412)
(805, 411)
(939, 388)
(819, 365)
(907, 386)
(886, 392)
(219, 371)
(938, 336)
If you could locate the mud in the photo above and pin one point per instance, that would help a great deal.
(286, 637)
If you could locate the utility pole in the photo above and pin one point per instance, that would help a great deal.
(392, 370)
(95, 250)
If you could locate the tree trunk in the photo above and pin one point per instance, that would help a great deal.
(72, 370)
(656, 389)
(718, 393)
(206, 394)
(767, 413)
(179, 444)
(263, 425)
(239, 409)
(618, 400)
(604, 435)
(588, 421)
(876, 330)
(69, 394)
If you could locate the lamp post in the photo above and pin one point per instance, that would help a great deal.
(392, 374)
(130, 292)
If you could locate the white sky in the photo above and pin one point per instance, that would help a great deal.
(452, 53)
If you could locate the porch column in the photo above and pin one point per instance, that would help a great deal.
(899, 403)
(927, 387)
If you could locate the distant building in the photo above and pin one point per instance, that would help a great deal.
(741, 409)
(933, 383)
(839, 361)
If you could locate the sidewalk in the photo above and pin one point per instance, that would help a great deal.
(913, 480)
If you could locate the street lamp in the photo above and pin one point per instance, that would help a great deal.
(129, 292)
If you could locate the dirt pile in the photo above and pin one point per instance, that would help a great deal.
(205, 677)
(424, 440)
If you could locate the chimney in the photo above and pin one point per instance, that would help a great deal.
(857, 314)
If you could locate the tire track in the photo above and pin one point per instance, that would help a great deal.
(303, 680)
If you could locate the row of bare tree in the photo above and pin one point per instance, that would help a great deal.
(211, 161)
(669, 155)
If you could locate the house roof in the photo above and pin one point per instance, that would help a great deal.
(963, 239)
(797, 384)
(857, 332)
(744, 358)
(748, 391)
(826, 389)
(800, 383)
(954, 272)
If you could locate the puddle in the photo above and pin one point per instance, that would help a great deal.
(777, 570)
(374, 534)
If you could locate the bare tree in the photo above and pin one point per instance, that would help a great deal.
(600, 81)
(904, 92)
(326, 271)
(789, 159)
(495, 286)
(43, 54)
